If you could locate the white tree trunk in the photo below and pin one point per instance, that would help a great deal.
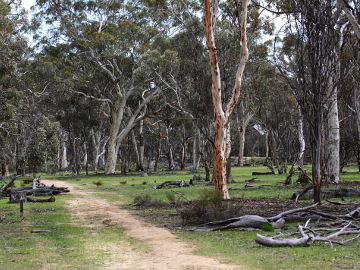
(85, 157)
(243, 123)
(332, 147)
(356, 101)
(195, 150)
(266, 144)
(117, 113)
(171, 164)
(99, 147)
(111, 156)
(135, 145)
(183, 149)
(301, 140)
(241, 132)
(116, 136)
(141, 146)
(63, 161)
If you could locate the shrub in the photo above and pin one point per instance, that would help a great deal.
(98, 183)
(147, 201)
(170, 196)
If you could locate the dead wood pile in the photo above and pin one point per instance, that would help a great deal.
(23, 194)
(333, 228)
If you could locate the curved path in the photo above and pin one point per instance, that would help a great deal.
(165, 250)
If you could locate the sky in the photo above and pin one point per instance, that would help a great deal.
(28, 3)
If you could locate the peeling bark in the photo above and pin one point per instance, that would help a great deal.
(222, 115)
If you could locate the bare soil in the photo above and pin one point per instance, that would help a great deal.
(164, 250)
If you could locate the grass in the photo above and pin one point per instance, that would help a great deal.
(68, 243)
(67, 246)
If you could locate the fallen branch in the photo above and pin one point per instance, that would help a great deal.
(306, 239)
(36, 200)
(262, 173)
(171, 184)
(40, 231)
(250, 221)
(256, 187)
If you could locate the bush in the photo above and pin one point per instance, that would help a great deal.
(142, 200)
(170, 196)
(147, 201)
(98, 183)
(210, 207)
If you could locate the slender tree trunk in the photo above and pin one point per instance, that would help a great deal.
(243, 122)
(201, 149)
(85, 157)
(332, 147)
(228, 156)
(266, 145)
(183, 149)
(76, 157)
(141, 146)
(241, 132)
(356, 104)
(63, 155)
(158, 152)
(316, 139)
(99, 150)
(5, 169)
(194, 152)
(133, 137)
(171, 164)
(205, 156)
(301, 140)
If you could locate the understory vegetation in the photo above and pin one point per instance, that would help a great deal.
(178, 209)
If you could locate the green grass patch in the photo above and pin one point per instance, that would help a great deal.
(234, 246)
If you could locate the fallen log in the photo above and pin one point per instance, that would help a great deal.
(43, 191)
(256, 186)
(251, 221)
(262, 173)
(171, 184)
(252, 180)
(36, 200)
(22, 194)
(290, 242)
(4, 191)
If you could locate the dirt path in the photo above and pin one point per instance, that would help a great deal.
(166, 251)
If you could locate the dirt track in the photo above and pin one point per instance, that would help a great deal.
(166, 251)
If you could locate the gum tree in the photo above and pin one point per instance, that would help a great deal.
(222, 113)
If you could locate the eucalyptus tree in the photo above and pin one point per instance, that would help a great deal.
(222, 114)
(312, 55)
(114, 36)
(13, 56)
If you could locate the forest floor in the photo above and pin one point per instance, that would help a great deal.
(163, 249)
